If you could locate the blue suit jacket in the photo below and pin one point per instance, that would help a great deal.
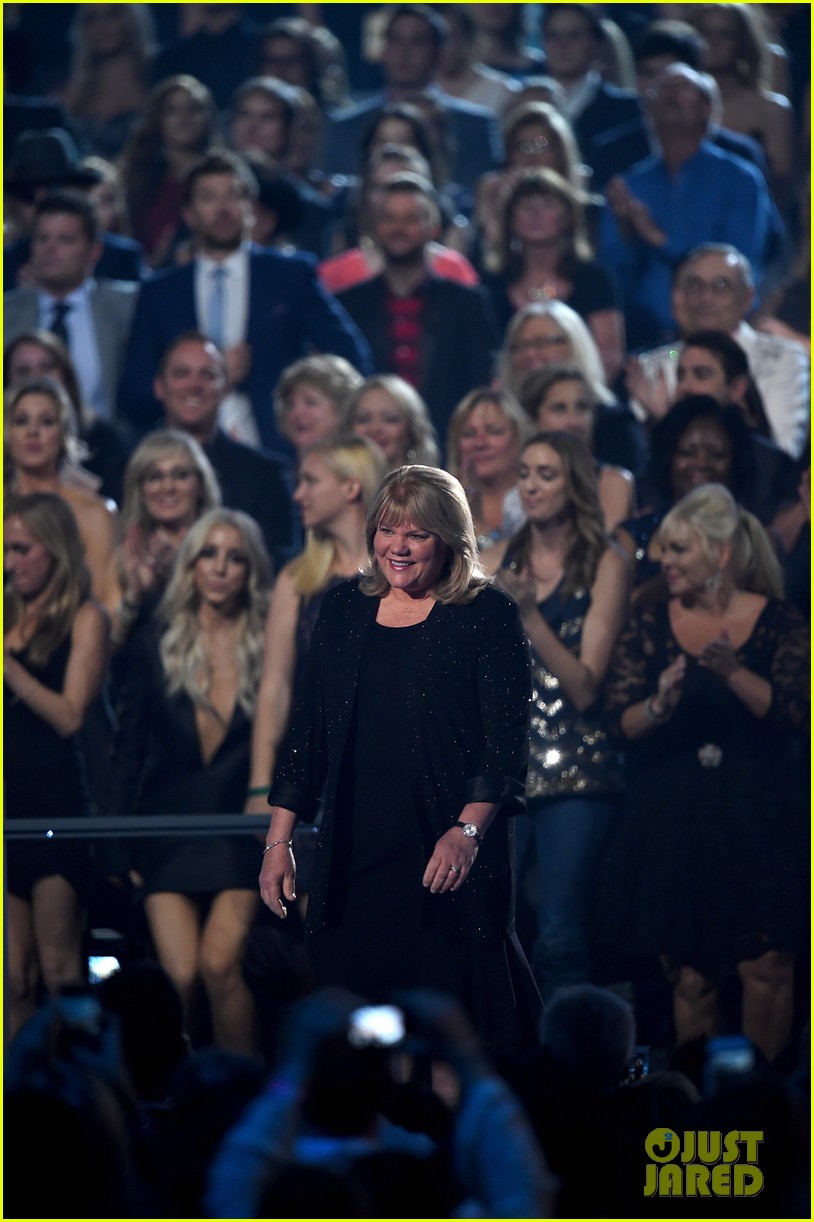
(289, 313)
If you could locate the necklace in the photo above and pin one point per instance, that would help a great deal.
(542, 292)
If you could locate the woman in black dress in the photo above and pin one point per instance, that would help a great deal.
(54, 653)
(413, 730)
(710, 690)
(182, 747)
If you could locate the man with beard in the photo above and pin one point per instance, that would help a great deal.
(438, 335)
(263, 309)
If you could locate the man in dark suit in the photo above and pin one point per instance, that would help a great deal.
(438, 335)
(597, 111)
(263, 308)
(190, 385)
(91, 317)
(413, 40)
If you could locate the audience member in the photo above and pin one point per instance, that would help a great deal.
(390, 412)
(336, 486)
(311, 397)
(92, 317)
(413, 320)
(501, 41)
(306, 56)
(573, 37)
(551, 333)
(54, 658)
(486, 433)
(44, 161)
(109, 74)
(261, 307)
(414, 37)
(185, 711)
(708, 691)
(462, 75)
(34, 355)
(168, 484)
(218, 52)
(713, 289)
(43, 454)
(190, 386)
(736, 54)
(559, 398)
(571, 586)
(176, 127)
(544, 254)
(689, 190)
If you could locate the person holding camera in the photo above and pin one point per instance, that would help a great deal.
(412, 728)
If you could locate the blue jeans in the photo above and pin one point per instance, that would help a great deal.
(567, 834)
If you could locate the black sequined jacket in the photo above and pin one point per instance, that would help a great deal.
(469, 701)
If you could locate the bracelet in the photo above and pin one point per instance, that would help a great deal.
(274, 843)
(257, 791)
(656, 718)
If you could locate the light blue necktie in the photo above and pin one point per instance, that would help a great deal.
(216, 306)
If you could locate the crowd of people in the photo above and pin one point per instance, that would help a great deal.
(407, 438)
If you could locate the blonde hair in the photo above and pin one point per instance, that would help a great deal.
(712, 514)
(52, 523)
(544, 114)
(584, 352)
(435, 501)
(349, 458)
(332, 375)
(421, 438)
(162, 444)
(182, 656)
(503, 400)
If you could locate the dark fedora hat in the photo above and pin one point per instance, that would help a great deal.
(46, 158)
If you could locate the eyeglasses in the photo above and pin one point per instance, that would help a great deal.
(178, 475)
(538, 145)
(719, 286)
(538, 345)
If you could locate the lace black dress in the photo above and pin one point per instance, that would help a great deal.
(709, 864)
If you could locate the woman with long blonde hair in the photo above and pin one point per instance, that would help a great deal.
(185, 708)
(336, 486)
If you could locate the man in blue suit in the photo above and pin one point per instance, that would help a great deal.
(263, 309)
(413, 40)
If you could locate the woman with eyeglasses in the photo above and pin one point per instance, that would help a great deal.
(168, 484)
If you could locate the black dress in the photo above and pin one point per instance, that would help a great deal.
(44, 775)
(159, 769)
(397, 729)
(709, 865)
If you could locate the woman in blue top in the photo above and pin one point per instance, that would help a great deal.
(571, 586)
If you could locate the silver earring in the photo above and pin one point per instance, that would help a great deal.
(713, 582)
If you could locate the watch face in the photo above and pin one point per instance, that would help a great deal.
(470, 829)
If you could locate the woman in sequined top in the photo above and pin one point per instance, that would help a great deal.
(571, 586)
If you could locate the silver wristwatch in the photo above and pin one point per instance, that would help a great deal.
(470, 830)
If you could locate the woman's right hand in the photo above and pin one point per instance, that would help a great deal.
(278, 875)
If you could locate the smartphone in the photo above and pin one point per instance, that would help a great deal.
(376, 1027)
(101, 966)
(639, 1064)
(729, 1058)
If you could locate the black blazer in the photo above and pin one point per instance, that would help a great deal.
(468, 704)
(458, 342)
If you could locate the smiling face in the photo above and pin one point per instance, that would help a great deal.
(703, 456)
(685, 563)
(378, 417)
(35, 438)
(190, 388)
(711, 294)
(310, 416)
(411, 559)
(567, 407)
(27, 564)
(542, 484)
(171, 491)
(488, 446)
(321, 494)
(221, 569)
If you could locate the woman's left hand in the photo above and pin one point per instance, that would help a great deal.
(519, 585)
(449, 866)
(719, 656)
